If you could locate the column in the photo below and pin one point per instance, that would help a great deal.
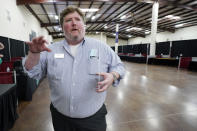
(116, 41)
(155, 11)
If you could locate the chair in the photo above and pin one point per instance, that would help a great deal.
(7, 77)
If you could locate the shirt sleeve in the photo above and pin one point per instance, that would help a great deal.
(115, 65)
(39, 70)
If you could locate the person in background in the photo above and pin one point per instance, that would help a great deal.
(79, 70)
(1, 56)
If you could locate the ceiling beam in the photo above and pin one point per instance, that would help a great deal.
(177, 3)
(33, 13)
(24, 2)
(162, 2)
(113, 12)
(111, 22)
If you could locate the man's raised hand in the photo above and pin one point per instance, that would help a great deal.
(38, 45)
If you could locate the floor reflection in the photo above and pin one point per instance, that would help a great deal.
(149, 98)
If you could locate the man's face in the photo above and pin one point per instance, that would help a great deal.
(74, 28)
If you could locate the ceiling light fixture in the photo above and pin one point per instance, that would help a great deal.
(89, 10)
(123, 17)
(136, 28)
(179, 25)
(56, 17)
(172, 17)
(105, 27)
(93, 17)
(147, 32)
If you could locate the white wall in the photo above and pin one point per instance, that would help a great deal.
(181, 34)
(111, 41)
(17, 22)
(99, 36)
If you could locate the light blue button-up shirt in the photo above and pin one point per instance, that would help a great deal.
(73, 80)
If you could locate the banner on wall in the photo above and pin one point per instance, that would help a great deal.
(32, 35)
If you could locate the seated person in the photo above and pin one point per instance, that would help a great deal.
(1, 48)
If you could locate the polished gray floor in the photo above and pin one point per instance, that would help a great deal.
(149, 98)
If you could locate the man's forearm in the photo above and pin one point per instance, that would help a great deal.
(32, 60)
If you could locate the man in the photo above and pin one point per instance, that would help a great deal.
(79, 71)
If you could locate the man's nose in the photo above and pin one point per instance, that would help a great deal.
(73, 22)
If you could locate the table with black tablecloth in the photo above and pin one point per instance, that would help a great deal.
(164, 61)
(25, 86)
(137, 59)
(193, 65)
(8, 105)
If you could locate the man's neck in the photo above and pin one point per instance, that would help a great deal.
(74, 42)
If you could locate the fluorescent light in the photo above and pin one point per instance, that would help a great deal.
(177, 17)
(173, 17)
(123, 17)
(169, 16)
(56, 17)
(60, 34)
(93, 17)
(147, 32)
(177, 26)
(89, 10)
(136, 28)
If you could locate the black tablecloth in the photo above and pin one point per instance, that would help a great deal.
(25, 86)
(164, 61)
(8, 105)
(193, 65)
(137, 59)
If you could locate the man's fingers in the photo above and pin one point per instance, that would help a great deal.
(40, 38)
(28, 43)
(101, 73)
(47, 49)
(101, 89)
(45, 41)
(102, 82)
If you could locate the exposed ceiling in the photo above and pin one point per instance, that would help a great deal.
(133, 16)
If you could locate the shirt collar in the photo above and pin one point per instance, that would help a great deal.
(66, 45)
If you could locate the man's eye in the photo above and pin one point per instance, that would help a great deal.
(78, 19)
(67, 20)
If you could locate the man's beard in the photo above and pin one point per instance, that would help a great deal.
(74, 38)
